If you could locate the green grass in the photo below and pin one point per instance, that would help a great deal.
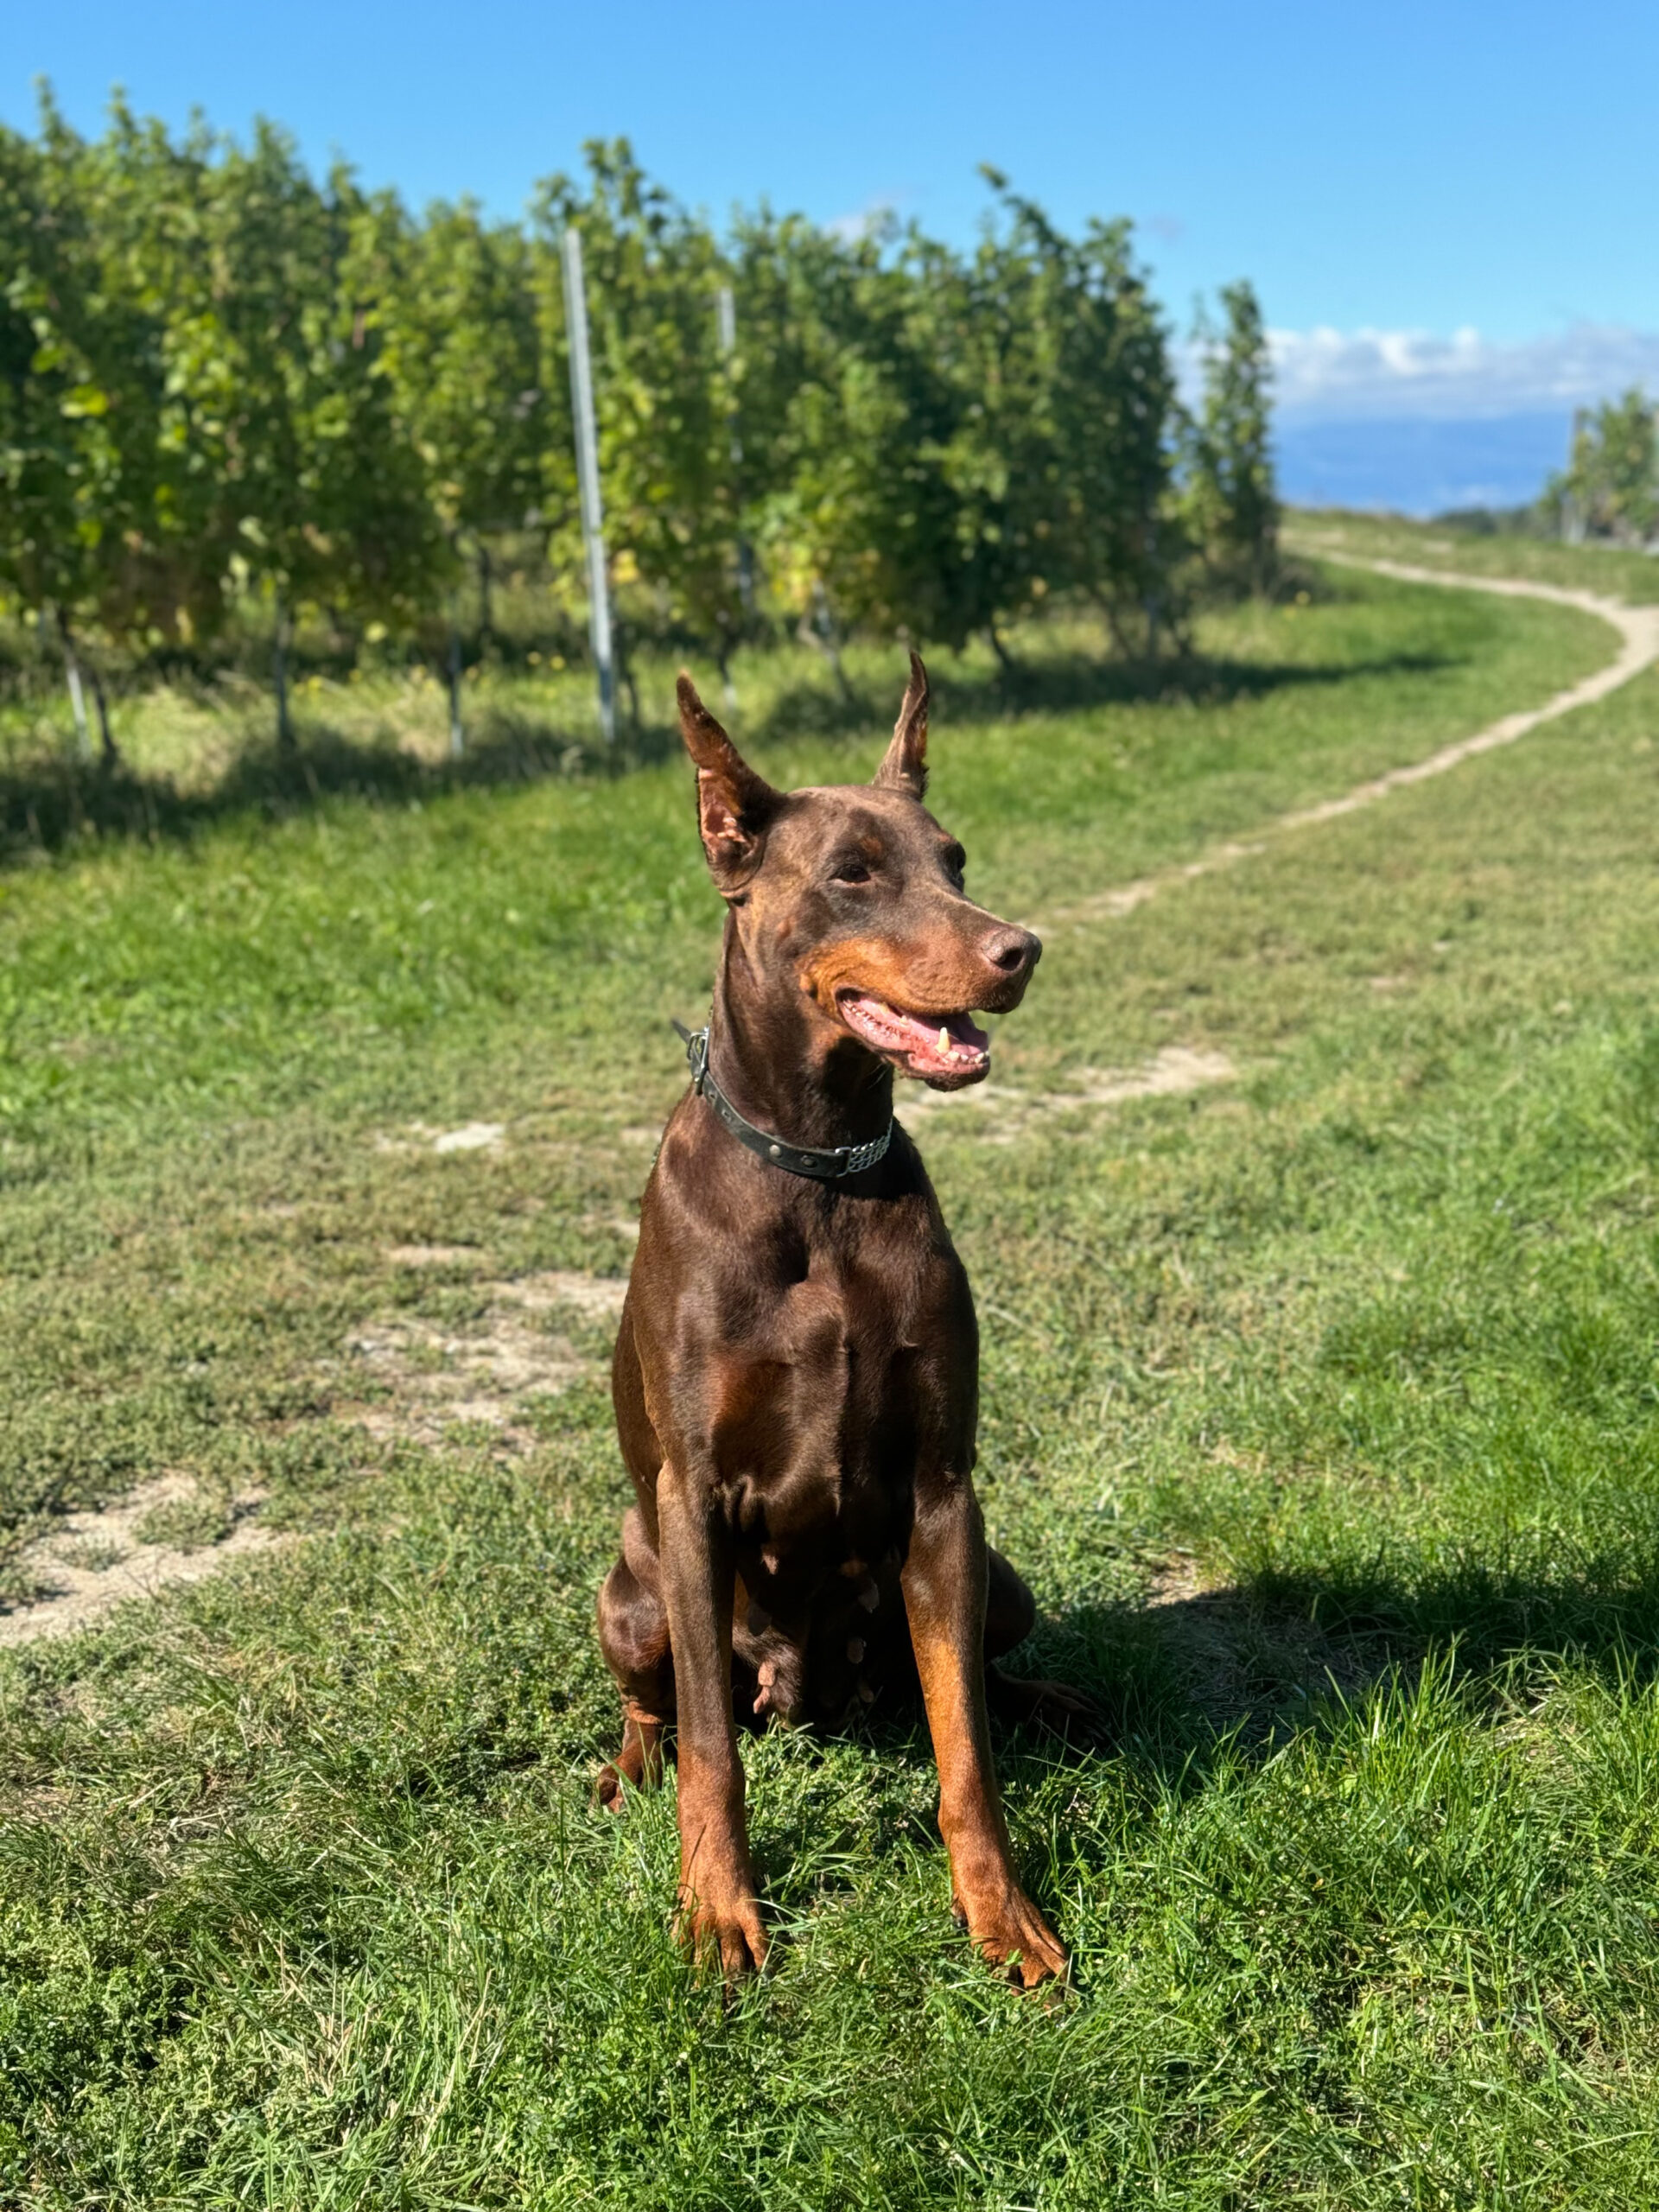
(1321, 1409)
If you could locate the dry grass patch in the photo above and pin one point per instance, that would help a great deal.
(91, 1562)
(1003, 1114)
(428, 1378)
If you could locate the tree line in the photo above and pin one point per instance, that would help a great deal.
(1610, 487)
(229, 388)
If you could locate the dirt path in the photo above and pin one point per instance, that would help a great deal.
(1638, 633)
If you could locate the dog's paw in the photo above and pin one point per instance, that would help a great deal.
(1010, 1932)
(1054, 1705)
(728, 1933)
(611, 1788)
(637, 1765)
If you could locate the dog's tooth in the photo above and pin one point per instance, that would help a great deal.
(855, 1650)
(944, 1042)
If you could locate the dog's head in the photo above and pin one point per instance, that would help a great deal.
(853, 895)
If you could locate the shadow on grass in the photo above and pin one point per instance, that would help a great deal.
(1250, 1662)
(1064, 684)
(48, 804)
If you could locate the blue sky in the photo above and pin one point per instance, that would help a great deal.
(1447, 210)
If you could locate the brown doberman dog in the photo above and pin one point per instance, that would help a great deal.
(797, 1369)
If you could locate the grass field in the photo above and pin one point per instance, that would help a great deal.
(1321, 1410)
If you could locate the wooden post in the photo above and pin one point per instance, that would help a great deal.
(593, 517)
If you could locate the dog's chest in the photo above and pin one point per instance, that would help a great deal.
(819, 1404)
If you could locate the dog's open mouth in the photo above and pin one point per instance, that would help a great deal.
(938, 1047)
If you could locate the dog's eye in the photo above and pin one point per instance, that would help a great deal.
(956, 862)
(851, 871)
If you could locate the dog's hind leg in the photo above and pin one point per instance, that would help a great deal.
(639, 1761)
(634, 1636)
(1010, 1609)
(1010, 1616)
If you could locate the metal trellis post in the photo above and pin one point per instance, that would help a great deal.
(593, 517)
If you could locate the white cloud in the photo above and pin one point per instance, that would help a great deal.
(868, 221)
(1414, 373)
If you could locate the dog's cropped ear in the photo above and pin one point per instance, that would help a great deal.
(905, 764)
(733, 805)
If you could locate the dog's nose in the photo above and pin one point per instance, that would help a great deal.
(1011, 951)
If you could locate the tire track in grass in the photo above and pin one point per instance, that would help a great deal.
(1638, 633)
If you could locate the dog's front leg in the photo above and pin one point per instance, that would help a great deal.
(718, 1909)
(944, 1584)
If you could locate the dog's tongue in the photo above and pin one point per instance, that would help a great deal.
(931, 1044)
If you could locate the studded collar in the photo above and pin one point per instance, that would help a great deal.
(824, 1163)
